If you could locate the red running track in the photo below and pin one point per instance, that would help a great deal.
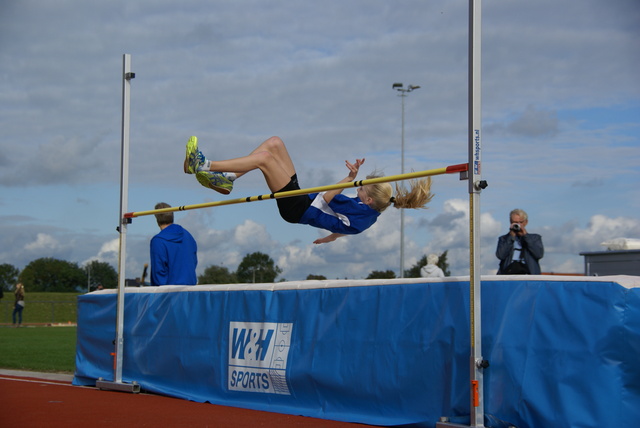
(45, 400)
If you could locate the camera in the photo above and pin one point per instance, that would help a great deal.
(516, 227)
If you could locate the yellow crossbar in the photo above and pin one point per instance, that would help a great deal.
(407, 176)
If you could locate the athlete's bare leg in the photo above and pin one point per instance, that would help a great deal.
(271, 157)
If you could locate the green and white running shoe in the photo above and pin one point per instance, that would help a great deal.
(219, 181)
(194, 157)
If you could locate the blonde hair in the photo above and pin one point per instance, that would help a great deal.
(417, 196)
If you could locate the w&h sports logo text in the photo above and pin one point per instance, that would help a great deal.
(258, 354)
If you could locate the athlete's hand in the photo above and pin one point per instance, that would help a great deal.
(354, 167)
(329, 238)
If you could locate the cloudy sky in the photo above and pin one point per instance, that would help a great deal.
(560, 115)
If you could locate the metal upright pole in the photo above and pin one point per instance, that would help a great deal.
(403, 95)
(117, 383)
(124, 197)
(476, 184)
(477, 363)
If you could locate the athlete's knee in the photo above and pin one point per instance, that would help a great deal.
(275, 143)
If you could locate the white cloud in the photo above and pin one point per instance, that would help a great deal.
(252, 235)
(43, 242)
(532, 122)
(293, 257)
(108, 253)
(450, 228)
(599, 228)
(450, 231)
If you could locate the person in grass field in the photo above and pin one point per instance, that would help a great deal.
(18, 305)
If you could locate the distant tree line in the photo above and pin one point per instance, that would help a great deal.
(254, 267)
(49, 274)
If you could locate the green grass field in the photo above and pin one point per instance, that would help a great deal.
(35, 347)
(42, 349)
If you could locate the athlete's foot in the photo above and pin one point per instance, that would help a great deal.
(219, 181)
(193, 158)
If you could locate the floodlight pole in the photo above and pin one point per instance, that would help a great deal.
(117, 383)
(403, 94)
(476, 184)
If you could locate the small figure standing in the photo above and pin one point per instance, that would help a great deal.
(18, 306)
(431, 269)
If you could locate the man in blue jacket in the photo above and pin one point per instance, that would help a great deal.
(519, 251)
(173, 252)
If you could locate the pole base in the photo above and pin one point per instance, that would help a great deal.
(133, 387)
(444, 423)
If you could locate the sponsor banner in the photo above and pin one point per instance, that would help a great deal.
(384, 354)
(258, 355)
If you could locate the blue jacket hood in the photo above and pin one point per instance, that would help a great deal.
(172, 233)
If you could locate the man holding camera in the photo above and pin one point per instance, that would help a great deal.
(518, 250)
